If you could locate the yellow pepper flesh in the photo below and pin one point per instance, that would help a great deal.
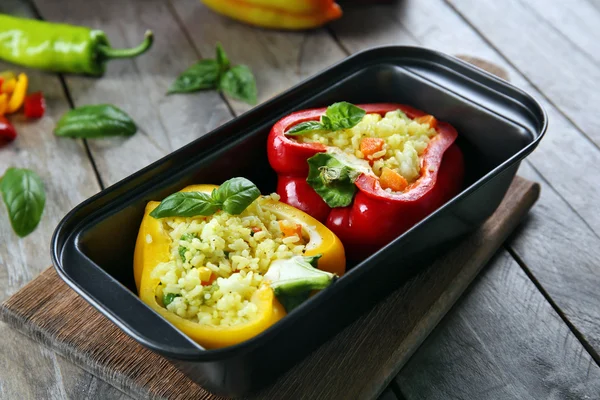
(152, 248)
(3, 103)
(18, 94)
(278, 14)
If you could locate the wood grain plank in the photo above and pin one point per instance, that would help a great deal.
(569, 78)
(138, 86)
(576, 20)
(30, 371)
(277, 59)
(563, 255)
(398, 325)
(67, 174)
(502, 340)
(434, 24)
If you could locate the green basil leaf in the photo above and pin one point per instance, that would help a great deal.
(24, 195)
(185, 204)
(236, 195)
(200, 76)
(332, 179)
(240, 84)
(222, 59)
(94, 121)
(342, 115)
(305, 127)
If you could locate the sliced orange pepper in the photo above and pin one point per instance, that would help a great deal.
(18, 95)
(8, 86)
(370, 145)
(390, 179)
(3, 103)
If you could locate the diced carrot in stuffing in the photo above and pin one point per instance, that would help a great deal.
(390, 179)
(370, 145)
(290, 229)
(427, 119)
(256, 229)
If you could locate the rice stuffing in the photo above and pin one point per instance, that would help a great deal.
(218, 262)
(403, 141)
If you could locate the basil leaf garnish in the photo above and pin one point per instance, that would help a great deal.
(222, 59)
(24, 195)
(94, 121)
(233, 197)
(332, 179)
(236, 195)
(305, 127)
(200, 76)
(185, 204)
(239, 83)
(342, 115)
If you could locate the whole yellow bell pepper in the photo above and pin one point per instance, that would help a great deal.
(278, 14)
(152, 248)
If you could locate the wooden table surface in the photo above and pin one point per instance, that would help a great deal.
(529, 326)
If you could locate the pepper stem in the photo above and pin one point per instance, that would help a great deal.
(109, 53)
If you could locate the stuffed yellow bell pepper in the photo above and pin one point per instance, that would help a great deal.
(278, 14)
(223, 263)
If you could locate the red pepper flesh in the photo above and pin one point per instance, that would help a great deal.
(7, 131)
(375, 216)
(35, 105)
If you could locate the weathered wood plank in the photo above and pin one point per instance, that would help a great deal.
(29, 370)
(563, 255)
(576, 20)
(277, 59)
(138, 86)
(569, 77)
(502, 340)
(434, 24)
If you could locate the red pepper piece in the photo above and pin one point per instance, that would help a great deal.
(7, 131)
(375, 216)
(35, 105)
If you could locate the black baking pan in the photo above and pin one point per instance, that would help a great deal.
(498, 125)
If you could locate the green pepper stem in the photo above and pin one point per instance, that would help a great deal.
(108, 53)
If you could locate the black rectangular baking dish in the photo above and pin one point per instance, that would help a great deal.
(498, 125)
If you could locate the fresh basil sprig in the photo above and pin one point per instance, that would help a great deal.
(233, 197)
(218, 74)
(342, 115)
(239, 83)
(202, 75)
(24, 195)
(94, 121)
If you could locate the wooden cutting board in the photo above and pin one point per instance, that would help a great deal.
(359, 362)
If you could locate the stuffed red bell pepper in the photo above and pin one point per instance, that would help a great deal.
(369, 172)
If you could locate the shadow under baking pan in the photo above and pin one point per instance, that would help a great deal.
(498, 126)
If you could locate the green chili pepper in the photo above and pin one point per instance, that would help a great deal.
(60, 47)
